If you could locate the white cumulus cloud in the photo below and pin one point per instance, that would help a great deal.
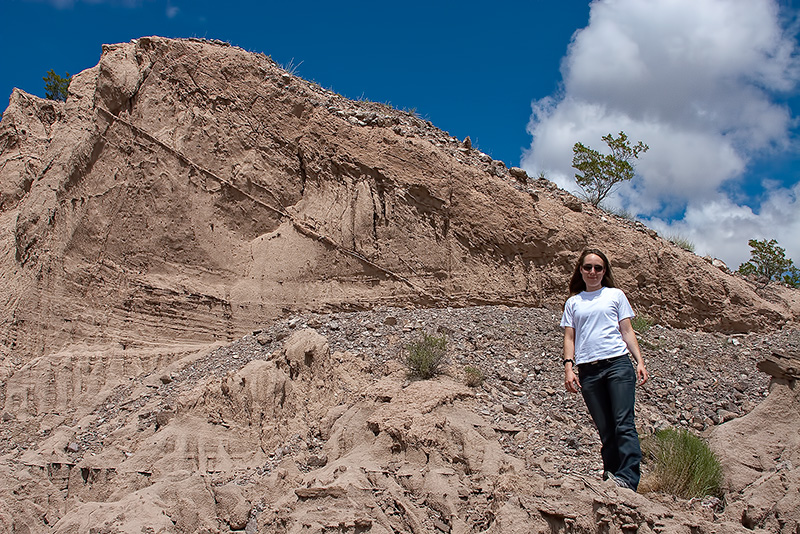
(718, 227)
(696, 80)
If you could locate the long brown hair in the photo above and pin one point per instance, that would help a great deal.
(576, 283)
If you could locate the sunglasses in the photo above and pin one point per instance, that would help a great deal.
(587, 267)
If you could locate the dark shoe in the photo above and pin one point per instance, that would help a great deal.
(618, 481)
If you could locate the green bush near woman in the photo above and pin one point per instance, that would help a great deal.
(682, 464)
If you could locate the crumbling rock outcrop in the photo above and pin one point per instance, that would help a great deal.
(188, 189)
(25, 138)
(761, 452)
(335, 445)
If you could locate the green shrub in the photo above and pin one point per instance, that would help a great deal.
(413, 112)
(426, 355)
(600, 174)
(474, 376)
(680, 241)
(619, 212)
(768, 261)
(291, 67)
(682, 464)
(641, 323)
(56, 87)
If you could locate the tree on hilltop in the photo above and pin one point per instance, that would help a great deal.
(56, 87)
(599, 174)
(768, 261)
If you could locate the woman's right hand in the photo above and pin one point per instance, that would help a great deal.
(571, 381)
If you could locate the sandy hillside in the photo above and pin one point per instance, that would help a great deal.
(211, 267)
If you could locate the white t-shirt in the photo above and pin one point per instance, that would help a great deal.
(595, 316)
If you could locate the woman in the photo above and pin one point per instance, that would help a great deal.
(599, 340)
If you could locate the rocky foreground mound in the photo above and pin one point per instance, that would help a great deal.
(312, 424)
(189, 194)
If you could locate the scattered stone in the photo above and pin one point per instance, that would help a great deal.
(441, 526)
(163, 417)
(781, 366)
(573, 203)
(519, 174)
(264, 339)
(317, 460)
(318, 493)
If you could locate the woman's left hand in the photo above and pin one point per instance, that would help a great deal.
(629, 336)
(641, 372)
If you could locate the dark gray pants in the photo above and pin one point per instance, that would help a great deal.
(609, 390)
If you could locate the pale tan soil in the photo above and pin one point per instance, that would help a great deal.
(314, 421)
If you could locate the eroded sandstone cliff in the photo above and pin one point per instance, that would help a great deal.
(188, 190)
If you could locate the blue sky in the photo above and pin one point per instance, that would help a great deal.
(457, 63)
(710, 85)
